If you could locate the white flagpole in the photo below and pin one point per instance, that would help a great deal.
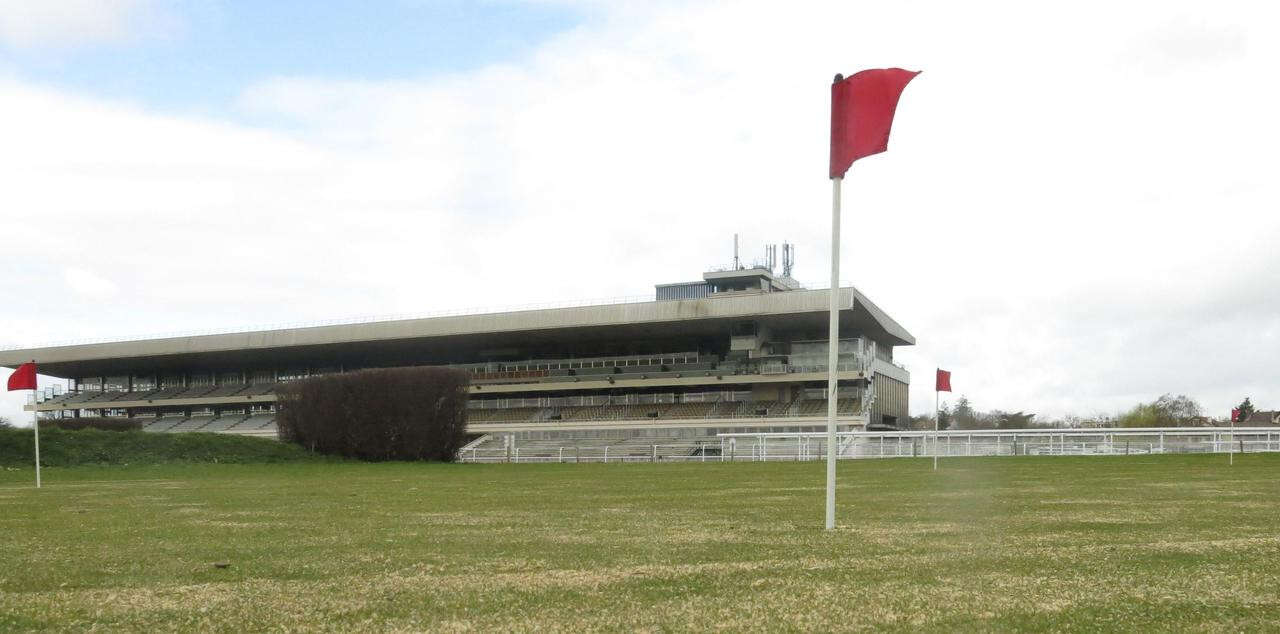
(833, 352)
(1231, 449)
(937, 416)
(35, 424)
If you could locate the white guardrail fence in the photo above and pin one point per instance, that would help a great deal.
(755, 447)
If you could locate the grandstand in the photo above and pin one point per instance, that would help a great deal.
(741, 350)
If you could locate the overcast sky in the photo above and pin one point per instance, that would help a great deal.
(1078, 210)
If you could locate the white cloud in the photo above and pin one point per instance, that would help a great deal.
(88, 283)
(1064, 227)
(32, 24)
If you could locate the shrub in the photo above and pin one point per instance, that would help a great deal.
(104, 424)
(388, 414)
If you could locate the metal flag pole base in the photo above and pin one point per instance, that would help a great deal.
(833, 350)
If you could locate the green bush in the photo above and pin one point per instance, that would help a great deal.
(68, 448)
(387, 414)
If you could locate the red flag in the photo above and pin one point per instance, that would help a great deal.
(1235, 415)
(943, 382)
(24, 378)
(862, 108)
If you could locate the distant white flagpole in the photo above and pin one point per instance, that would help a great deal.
(937, 416)
(35, 425)
(1231, 449)
(833, 352)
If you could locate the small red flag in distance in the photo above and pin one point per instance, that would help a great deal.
(1235, 415)
(862, 108)
(943, 383)
(24, 378)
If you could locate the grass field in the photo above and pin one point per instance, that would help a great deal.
(1113, 543)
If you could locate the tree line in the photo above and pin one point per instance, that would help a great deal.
(1168, 410)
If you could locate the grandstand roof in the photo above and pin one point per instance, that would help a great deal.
(402, 340)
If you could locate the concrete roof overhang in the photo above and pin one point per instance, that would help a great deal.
(410, 341)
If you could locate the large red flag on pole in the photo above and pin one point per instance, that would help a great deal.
(862, 108)
(943, 381)
(24, 378)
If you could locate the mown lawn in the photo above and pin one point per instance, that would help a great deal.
(1096, 544)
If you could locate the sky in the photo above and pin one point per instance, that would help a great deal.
(1078, 210)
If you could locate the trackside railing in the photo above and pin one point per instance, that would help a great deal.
(804, 446)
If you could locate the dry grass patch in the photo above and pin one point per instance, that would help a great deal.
(1093, 544)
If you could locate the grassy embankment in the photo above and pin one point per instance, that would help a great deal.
(1090, 544)
(62, 448)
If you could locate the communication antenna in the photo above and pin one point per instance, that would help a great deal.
(736, 266)
(788, 258)
(771, 256)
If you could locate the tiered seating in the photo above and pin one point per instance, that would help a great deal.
(62, 398)
(510, 415)
(227, 390)
(257, 389)
(634, 412)
(727, 409)
(191, 424)
(818, 407)
(168, 392)
(223, 423)
(263, 424)
(163, 423)
(809, 407)
(82, 397)
(689, 410)
(593, 412)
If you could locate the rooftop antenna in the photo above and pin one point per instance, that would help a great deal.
(788, 258)
(771, 256)
(735, 252)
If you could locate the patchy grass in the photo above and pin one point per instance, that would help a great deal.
(1095, 544)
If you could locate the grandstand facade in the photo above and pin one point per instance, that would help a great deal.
(738, 351)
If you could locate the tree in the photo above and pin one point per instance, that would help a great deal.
(964, 414)
(1176, 410)
(923, 421)
(945, 418)
(1166, 411)
(1013, 420)
(1246, 410)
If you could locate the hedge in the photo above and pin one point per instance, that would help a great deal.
(387, 414)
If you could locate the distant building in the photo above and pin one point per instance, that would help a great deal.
(740, 350)
(1263, 418)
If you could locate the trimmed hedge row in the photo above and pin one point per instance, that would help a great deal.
(387, 414)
